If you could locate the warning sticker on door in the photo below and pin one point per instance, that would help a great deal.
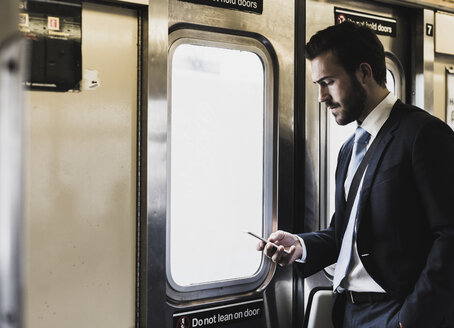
(379, 24)
(253, 6)
(218, 316)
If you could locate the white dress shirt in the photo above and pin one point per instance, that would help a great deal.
(359, 279)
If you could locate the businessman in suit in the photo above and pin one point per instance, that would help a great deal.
(392, 239)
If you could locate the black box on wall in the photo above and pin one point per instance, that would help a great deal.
(54, 32)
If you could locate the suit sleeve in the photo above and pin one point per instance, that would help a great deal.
(433, 166)
(321, 250)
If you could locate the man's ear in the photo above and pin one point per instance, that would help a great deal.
(364, 73)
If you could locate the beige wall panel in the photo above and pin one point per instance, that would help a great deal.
(8, 20)
(81, 174)
(440, 64)
(444, 24)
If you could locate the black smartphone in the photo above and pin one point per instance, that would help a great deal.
(264, 240)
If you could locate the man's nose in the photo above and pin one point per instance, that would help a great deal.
(323, 94)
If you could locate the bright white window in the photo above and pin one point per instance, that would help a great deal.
(217, 151)
(390, 81)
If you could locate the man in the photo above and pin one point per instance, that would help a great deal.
(393, 238)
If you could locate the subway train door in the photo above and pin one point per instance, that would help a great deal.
(220, 163)
(399, 29)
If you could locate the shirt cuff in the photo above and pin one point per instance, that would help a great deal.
(304, 255)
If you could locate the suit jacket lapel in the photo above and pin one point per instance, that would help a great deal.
(342, 167)
(341, 174)
(371, 170)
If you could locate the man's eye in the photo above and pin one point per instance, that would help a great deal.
(326, 83)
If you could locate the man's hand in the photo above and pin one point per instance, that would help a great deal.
(285, 241)
(401, 325)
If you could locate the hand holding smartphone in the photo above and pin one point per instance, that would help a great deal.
(264, 240)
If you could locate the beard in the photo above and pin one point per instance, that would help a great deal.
(353, 103)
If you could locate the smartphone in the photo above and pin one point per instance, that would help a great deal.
(264, 240)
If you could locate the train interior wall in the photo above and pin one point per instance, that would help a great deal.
(81, 185)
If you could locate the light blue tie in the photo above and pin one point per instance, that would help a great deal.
(344, 262)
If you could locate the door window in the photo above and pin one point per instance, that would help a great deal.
(221, 148)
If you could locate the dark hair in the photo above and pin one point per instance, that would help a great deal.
(352, 45)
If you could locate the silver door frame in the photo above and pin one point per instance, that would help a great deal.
(152, 262)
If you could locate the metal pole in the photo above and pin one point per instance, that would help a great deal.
(11, 164)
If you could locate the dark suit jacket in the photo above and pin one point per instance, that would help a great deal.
(406, 217)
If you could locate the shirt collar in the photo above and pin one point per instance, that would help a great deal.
(375, 120)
